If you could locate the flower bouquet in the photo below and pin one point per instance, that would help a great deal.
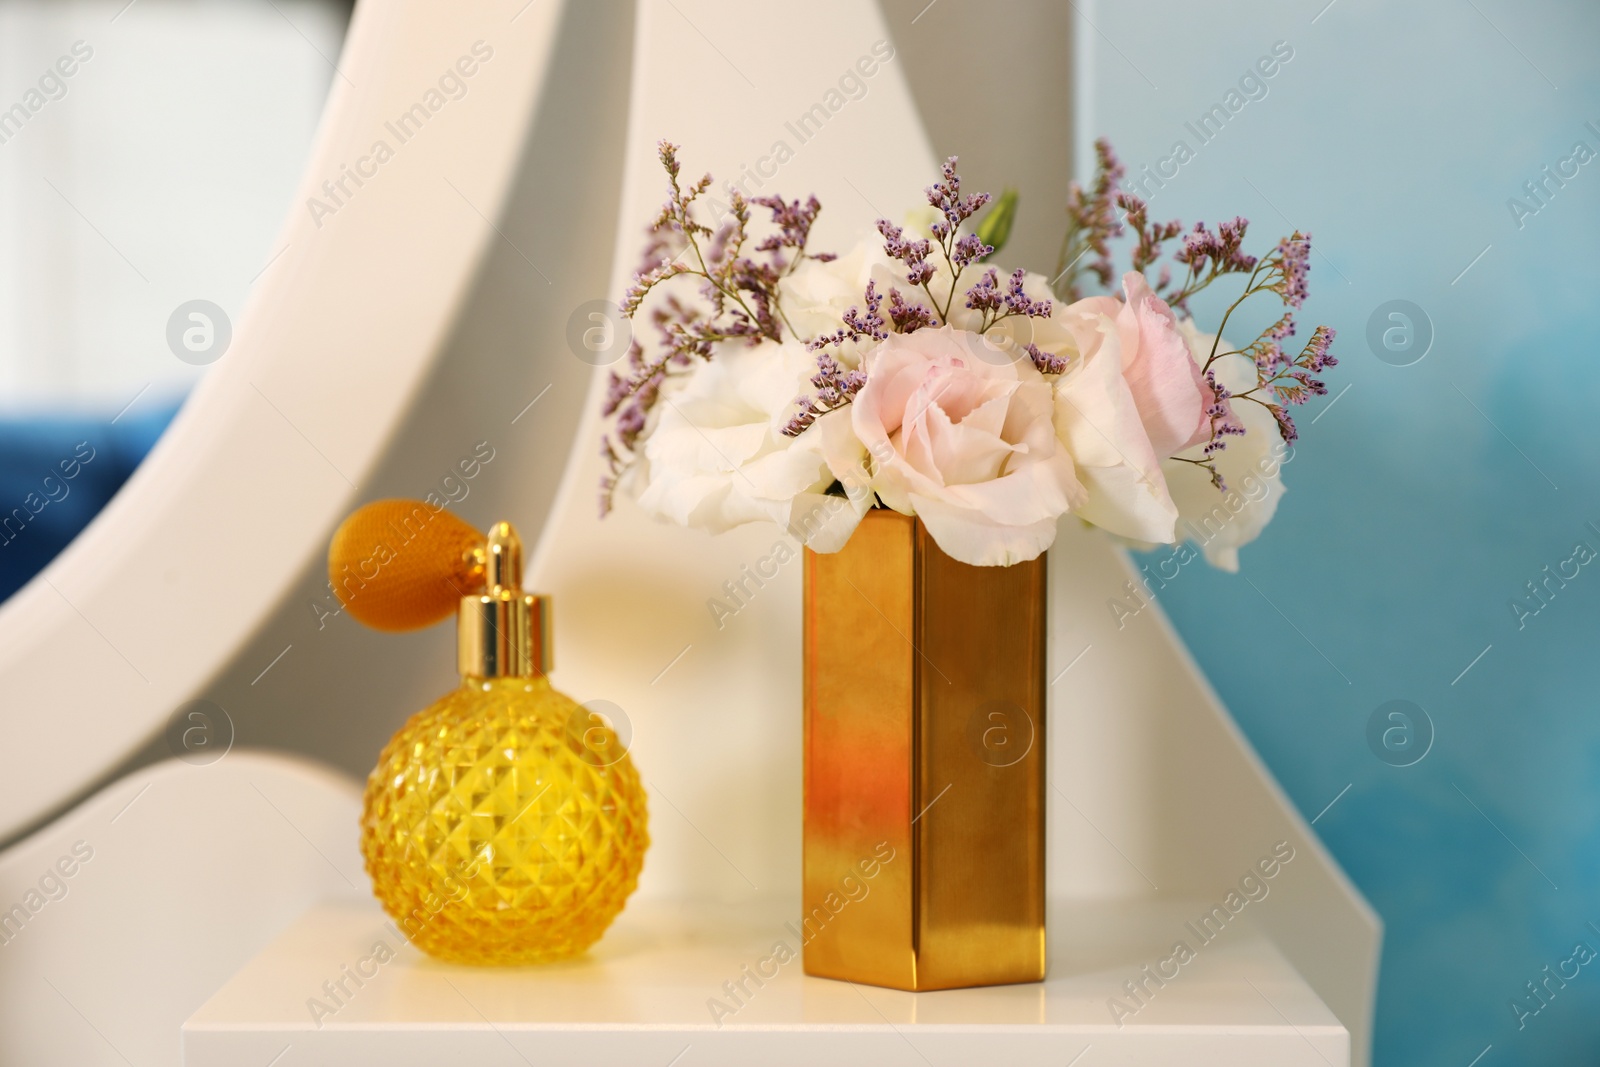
(910, 373)
(922, 420)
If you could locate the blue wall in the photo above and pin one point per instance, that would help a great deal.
(1428, 495)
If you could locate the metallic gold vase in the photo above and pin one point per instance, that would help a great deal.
(924, 764)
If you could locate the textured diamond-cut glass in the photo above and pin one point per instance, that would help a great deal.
(503, 825)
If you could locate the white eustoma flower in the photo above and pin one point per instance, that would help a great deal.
(817, 293)
(717, 456)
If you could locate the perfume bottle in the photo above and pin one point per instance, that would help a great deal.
(504, 824)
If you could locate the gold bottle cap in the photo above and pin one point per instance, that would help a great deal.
(504, 632)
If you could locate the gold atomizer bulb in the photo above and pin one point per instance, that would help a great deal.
(504, 824)
(403, 564)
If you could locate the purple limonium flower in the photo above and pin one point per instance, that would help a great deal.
(1092, 222)
(836, 387)
(738, 296)
(912, 252)
(909, 317)
(1294, 253)
(856, 325)
(1044, 361)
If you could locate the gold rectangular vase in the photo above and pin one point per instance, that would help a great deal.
(924, 764)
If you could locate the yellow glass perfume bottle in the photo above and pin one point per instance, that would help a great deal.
(505, 824)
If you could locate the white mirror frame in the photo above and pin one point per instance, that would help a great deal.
(268, 452)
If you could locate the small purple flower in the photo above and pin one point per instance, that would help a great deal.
(909, 317)
(857, 325)
(1151, 236)
(1092, 222)
(913, 253)
(945, 196)
(1316, 356)
(1295, 256)
(794, 221)
(1217, 253)
(1286, 427)
(1044, 361)
(986, 296)
(1020, 303)
(835, 386)
(968, 250)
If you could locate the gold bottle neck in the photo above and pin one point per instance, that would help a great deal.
(532, 683)
(503, 633)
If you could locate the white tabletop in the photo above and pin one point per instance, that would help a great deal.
(649, 993)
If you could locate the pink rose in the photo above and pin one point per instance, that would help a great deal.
(965, 443)
(1099, 423)
(1165, 381)
(1131, 397)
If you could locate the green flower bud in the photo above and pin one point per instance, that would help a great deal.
(995, 228)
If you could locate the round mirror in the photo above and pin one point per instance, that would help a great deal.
(148, 150)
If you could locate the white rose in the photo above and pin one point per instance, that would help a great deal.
(717, 456)
(816, 295)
